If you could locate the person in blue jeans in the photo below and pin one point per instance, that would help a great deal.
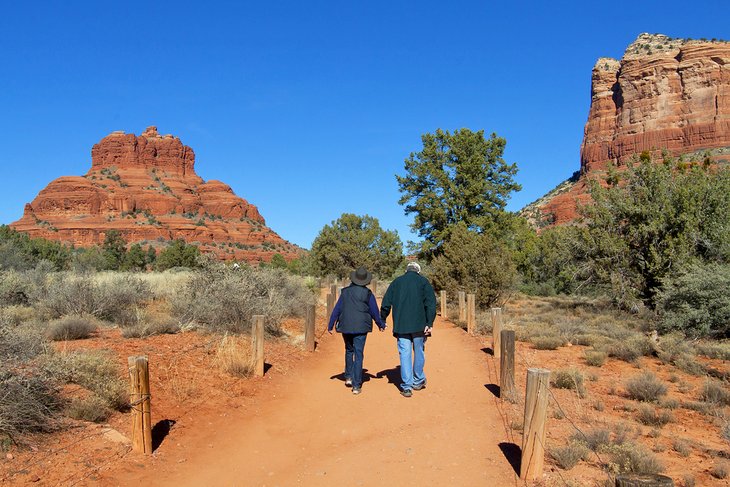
(413, 301)
(353, 317)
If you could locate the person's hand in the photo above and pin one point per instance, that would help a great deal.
(331, 331)
(427, 330)
(382, 328)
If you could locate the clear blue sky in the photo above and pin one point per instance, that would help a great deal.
(308, 109)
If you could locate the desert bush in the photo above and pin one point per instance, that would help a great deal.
(681, 446)
(71, 328)
(697, 303)
(547, 342)
(95, 371)
(645, 387)
(14, 288)
(165, 327)
(92, 408)
(20, 343)
(569, 379)
(651, 417)
(720, 470)
(669, 404)
(595, 358)
(726, 431)
(700, 407)
(569, 455)
(28, 402)
(713, 349)
(223, 299)
(715, 392)
(120, 296)
(15, 315)
(234, 357)
(596, 440)
(633, 458)
(631, 349)
(673, 346)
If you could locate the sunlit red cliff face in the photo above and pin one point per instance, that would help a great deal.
(664, 94)
(146, 188)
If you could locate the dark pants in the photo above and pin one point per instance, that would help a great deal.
(354, 353)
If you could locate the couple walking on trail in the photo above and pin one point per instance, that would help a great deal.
(413, 302)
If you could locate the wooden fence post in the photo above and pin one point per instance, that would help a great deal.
(139, 400)
(309, 328)
(462, 306)
(330, 306)
(443, 305)
(257, 336)
(471, 313)
(533, 436)
(496, 330)
(507, 366)
(643, 480)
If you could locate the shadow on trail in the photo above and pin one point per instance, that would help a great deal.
(494, 389)
(488, 351)
(393, 376)
(513, 454)
(366, 376)
(160, 431)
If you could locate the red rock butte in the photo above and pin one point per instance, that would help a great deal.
(664, 95)
(146, 188)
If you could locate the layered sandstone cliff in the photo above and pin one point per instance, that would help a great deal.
(146, 188)
(664, 95)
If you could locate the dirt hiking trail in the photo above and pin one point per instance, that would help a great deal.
(307, 428)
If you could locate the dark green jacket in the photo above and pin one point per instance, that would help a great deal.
(413, 301)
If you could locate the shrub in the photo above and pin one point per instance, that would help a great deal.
(595, 358)
(547, 342)
(167, 327)
(234, 357)
(681, 446)
(224, 299)
(569, 379)
(712, 349)
(716, 393)
(20, 343)
(720, 470)
(568, 456)
(92, 408)
(95, 371)
(649, 416)
(632, 458)
(28, 402)
(697, 303)
(14, 288)
(596, 440)
(645, 387)
(71, 328)
(631, 349)
(673, 346)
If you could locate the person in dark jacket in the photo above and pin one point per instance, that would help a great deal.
(353, 317)
(414, 308)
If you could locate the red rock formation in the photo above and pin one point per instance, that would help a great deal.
(664, 94)
(146, 188)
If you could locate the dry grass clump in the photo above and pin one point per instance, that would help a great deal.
(595, 358)
(713, 349)
(681, 446)
(95, 371)
(17, 314)
(71, 328)
(715, 392)
(631, 349)
(234, 356)
(720, 470)
(547, 342)
(596, 440)
(630, 457)
(142, 330)
(569, 455)
(92, 408)
(645, 387)
(726, 431)
(571, 378)
(651, 417)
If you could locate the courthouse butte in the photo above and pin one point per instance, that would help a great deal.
(664, 95)
(146, 188)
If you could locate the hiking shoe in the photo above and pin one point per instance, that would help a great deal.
(356, 390)
(418, 387)
(406, 393)
(348, 382)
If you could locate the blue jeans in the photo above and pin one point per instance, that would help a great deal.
(354, 353)
(411, 366)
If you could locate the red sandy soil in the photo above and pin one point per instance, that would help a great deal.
(299, 425)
